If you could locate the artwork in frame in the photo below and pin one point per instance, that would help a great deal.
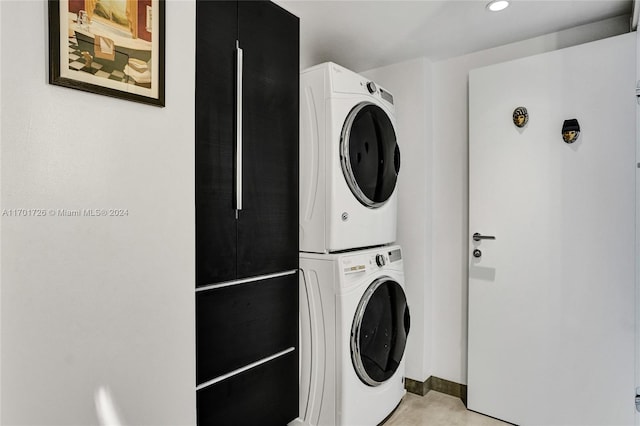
(109, 47)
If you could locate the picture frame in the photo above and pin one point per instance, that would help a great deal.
(110, 47)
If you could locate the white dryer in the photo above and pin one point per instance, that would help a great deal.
(354, 328)
(349, 161)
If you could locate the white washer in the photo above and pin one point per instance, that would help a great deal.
(349, 161)
(354, 326)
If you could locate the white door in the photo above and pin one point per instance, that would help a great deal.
(551, 299)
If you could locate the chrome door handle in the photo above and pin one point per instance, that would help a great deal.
(478, 237)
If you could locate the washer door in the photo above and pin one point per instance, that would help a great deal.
(369, 154)
(379, 331)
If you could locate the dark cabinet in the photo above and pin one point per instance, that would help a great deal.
(240, 324)
(216, 224)
(247, 89)
(262, 237)
(265, 401)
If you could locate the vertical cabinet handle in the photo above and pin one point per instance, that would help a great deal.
(238, 126)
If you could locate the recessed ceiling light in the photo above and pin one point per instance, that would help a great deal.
(497, 5)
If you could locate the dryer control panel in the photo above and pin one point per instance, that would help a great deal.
(346, 81)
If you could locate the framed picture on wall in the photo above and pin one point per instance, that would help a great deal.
(109, 47)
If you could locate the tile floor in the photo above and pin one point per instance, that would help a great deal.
(437, 409)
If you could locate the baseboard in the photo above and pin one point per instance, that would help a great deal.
(416, 387)
(439, 385)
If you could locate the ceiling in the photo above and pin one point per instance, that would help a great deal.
(366, 34)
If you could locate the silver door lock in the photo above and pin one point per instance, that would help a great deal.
(477, 253)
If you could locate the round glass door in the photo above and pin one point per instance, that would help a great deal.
(379, 331)
(369, 154)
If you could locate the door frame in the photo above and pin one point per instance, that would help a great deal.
(637, 322)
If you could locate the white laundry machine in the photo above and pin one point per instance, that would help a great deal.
(354, 328)
(349, 161)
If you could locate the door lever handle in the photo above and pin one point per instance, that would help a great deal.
(478, 237)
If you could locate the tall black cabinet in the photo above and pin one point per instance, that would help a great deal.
(247, 85)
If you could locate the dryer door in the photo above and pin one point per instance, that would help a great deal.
(379, 331)
(369, 154)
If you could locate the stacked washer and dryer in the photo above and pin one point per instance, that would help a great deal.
(354, 318)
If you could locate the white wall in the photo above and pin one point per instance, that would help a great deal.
(96, 301)
(410, 84)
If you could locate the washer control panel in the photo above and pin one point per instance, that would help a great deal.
(370, 261)
(395, 255)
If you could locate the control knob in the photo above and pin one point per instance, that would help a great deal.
(380, 260)
(371, 87)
